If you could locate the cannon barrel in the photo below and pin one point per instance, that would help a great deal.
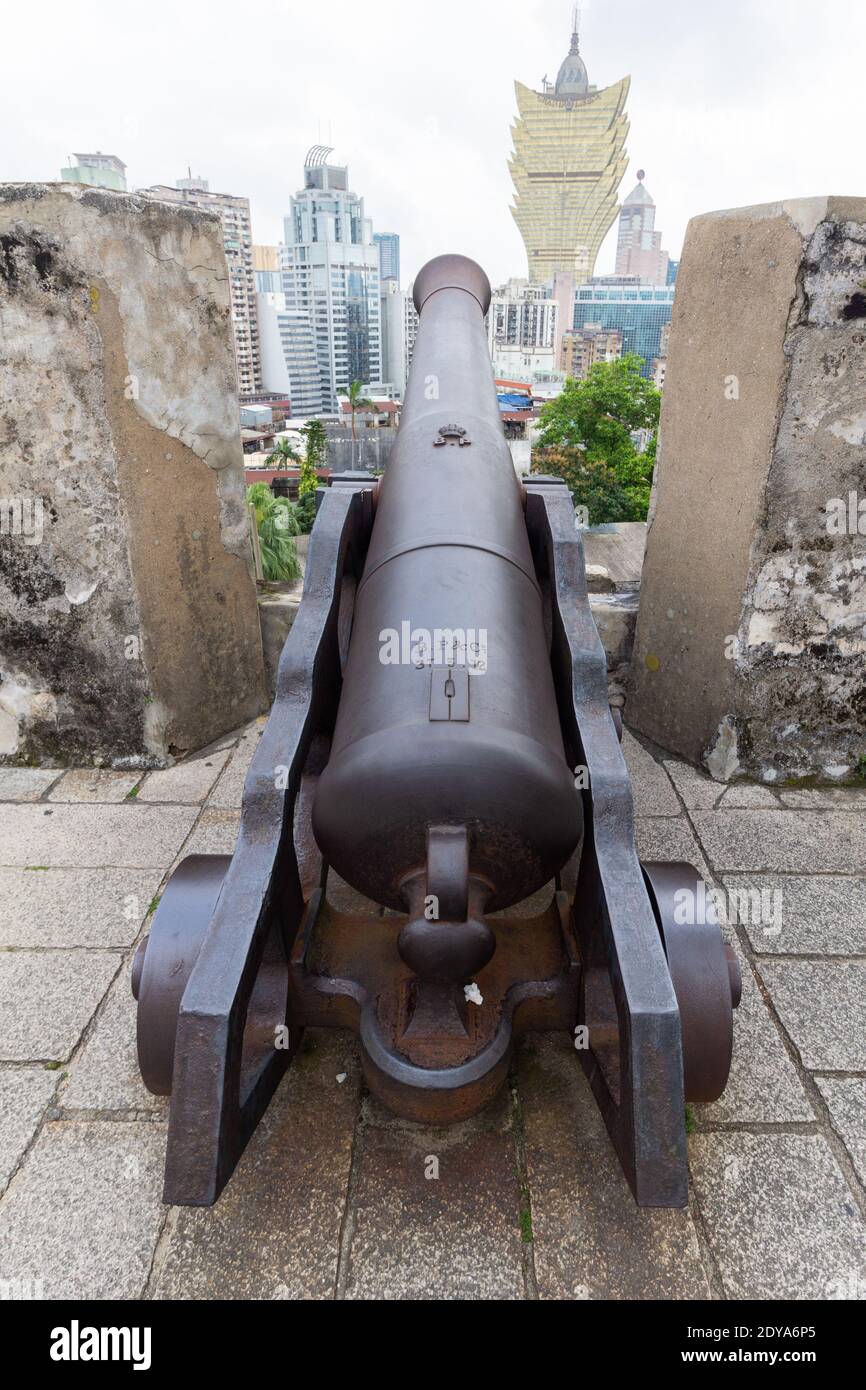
(448, 714)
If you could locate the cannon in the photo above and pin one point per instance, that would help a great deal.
(441, 742)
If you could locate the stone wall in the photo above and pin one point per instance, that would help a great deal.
(128, 621)
(750, 652)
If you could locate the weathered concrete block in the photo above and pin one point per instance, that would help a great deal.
(278, 608)
(129, 627)
(751, 635)
(619, 547)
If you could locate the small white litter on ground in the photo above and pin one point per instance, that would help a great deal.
(341, 1076)
(473, 993)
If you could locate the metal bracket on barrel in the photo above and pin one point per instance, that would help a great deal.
(634, 1057)
(223, 1079)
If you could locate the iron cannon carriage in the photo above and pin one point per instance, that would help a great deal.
(441, 740)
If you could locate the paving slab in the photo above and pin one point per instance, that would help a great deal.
(784, 841)
(698, 791)
(819, 915)
(666, 840)
(128, 836)
(26, 783)
(229, 790)
(763, 1086)
(749, 796)
(47, 998)
(415, 1235)
(74, 907)
(83, 1215)
(275, 1232)
(189, 781)
(24, 1094)
(590, 1240)
(782, 1222)
(822, 1005)
(846, 1101)
(105, 1076)
(651, 786)
(215, 833)
(95, 784)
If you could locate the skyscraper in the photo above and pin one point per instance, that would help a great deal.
(639, 246)
(234, 214)
(399, 325)
(569, 159)
(639, 312)
(288, 349)
(331, 275)
(389, 255)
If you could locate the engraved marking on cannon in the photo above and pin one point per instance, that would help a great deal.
(449, 694)
(451, 434)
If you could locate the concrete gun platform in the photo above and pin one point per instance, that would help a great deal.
(334, 1197)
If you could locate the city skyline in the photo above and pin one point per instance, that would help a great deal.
(726, 108)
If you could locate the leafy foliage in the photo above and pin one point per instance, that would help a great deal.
(282, 455)
(356, 400)
(316, 442)
(277, 524)
(305, 512)
(585, 438)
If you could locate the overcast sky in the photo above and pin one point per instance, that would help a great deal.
(732, 102)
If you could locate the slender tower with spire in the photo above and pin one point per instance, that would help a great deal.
(568, 162)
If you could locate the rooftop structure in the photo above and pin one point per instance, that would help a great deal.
(97, 171)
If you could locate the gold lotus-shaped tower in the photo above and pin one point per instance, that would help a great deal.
(568, 162)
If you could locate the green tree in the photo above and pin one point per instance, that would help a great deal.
(585, 438)
(277, 524)
(357, 401)
(282, 455)
(305, 512)
(316, 453)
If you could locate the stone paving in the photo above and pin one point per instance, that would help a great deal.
(331, 1198)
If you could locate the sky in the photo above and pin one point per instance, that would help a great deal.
(732, 102)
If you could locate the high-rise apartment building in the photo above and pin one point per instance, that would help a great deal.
(389, 255)
(583, 347)
(410, 325)
(568, 162)
(522, 330)
(639, 246)
(234, 214)
(331, 275)
(97, 171)
(660, 363)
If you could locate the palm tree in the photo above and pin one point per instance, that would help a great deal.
(277, 526)
(282, 455)
(356, 400)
